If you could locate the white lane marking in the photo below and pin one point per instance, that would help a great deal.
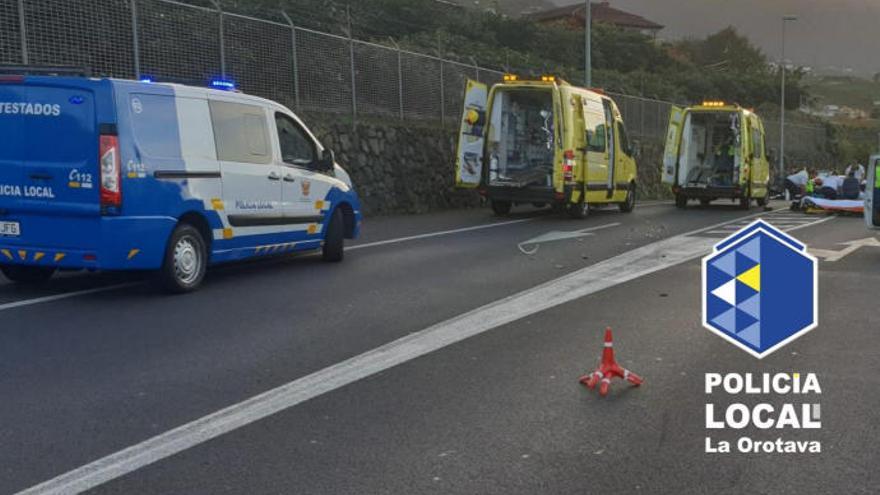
(66, 295)
(851, 247)
(605, 274)
(437, 234)
(559, 235)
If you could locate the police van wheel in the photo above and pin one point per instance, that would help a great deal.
(27, 275)
(186, 260)
(578, 211)
(334, 242)
(501, 208)
(630, 203)
(705, 201)
(681, 201)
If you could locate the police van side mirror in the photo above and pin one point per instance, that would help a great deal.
(327, 161)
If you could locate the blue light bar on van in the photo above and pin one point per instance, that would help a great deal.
(223, 84)
(147, 80)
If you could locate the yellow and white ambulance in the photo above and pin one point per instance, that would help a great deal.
(544, 142)
(714, 151)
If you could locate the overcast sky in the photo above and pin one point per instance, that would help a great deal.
(841, 33)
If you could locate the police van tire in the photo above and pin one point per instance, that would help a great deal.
(705, 201)
(27, 275)
(501, 208)
(578, 211)
(629, 204)
(186, 260)
(334, 242)
(681, 201)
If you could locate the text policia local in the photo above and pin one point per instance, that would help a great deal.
(804, 415)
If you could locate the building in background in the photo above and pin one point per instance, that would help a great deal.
(573, 17)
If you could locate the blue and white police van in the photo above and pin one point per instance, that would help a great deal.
(108, 174)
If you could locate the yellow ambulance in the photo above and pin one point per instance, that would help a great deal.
(544, 142)
(715, 151)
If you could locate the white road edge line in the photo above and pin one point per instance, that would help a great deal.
(603, 275)
(66, 295)
(437, 234)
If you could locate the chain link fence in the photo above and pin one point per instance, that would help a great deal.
(307, 70)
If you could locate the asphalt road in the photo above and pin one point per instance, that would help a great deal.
(86, 376)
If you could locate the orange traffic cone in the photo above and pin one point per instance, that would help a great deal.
(608, 368)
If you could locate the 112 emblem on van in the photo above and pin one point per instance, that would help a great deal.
(79, 180)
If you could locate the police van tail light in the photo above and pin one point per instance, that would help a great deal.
(568, 166)
(111, 172)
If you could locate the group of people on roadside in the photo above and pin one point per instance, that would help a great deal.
(850, 185)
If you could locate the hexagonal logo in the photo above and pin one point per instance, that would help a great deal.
(760, 289)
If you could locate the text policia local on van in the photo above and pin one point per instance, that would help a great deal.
(763, 416)
(44, 109)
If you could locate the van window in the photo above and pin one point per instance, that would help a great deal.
(757, 144)
(596, 132)
(297, 147)
(155, 126)
(240, 132)
(624, 141)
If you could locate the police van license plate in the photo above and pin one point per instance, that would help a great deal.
(10, 229)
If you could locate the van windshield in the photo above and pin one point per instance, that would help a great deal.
(521, 138)
(710, 149)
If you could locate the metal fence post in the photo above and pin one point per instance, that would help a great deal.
(476, 67)
(222, 37)
(135, 40)
(295, 59)
(22, 27)
(643, 115)
(442, 96)
(354, 107)
(399, 77)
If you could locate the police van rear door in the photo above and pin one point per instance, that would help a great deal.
(50, 144)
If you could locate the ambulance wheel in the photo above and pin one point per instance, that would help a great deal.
(501, 208)
(186, 260)
(681, 201)
(27, 275)
(745, 202)
(762, 202)
(578, 211)
(334, 242)
(630, 203)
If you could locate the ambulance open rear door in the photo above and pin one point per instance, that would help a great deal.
(472, 136)
(872, 193)
(673, 144)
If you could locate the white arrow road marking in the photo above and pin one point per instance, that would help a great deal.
(558, 235)
(622, 268)
(851, 247)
